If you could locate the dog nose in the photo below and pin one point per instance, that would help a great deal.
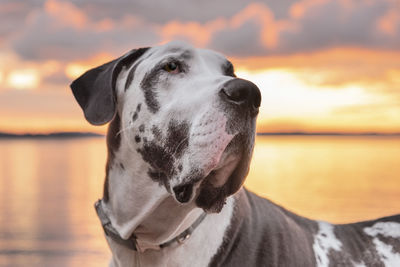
(242, 93)
(183, 193)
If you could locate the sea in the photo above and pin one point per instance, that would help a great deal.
(48, 187)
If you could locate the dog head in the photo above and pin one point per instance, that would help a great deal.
(180, 110)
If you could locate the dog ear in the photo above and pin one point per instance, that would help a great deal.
(95, 89)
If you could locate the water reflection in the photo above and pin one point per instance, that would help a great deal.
(48, 187)
(339, 179)
(47, 190)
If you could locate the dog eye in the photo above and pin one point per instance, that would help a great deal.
(172, 67)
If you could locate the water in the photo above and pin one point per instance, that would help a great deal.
(48, 187)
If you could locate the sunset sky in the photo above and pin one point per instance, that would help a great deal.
(322, 65)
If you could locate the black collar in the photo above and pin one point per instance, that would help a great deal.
(131, 242)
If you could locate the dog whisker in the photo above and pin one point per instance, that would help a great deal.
(125, 129)
(180, 143)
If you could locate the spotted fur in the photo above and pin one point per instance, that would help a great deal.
(180, 143)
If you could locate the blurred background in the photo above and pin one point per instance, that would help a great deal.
(329, 125)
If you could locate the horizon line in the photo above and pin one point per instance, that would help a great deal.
(330, 133)
(73, 134)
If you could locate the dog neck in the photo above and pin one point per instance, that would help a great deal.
(136, 204)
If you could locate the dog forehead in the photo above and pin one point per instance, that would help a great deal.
(185, 52)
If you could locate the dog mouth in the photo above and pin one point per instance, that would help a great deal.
(216, 176)
(219, 176)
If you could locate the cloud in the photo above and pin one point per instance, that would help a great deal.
(316, 25)
(12, 14)
(80, 34)
(61, 31)
(249, 43)
(194, 32)
(327, 24)
(253, 31)
(161, 12)
(71, 30)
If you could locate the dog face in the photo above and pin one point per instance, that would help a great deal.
(183, 112)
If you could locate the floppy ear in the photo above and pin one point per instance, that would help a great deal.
(95, 89)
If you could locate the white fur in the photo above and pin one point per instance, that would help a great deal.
(389, 229)
(385, 251)
(324, 241)
(359, 264)
(197, 251)
(388, 256)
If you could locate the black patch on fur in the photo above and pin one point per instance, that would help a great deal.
(163, 152)
(160, 160)
(135, 116)
(113, 143)
(178, 137)
(122, 166)
(156, 132)
(131, 74)
(159, 177)
(148, 86)
(141, 128)
(227, 69)
(137, 139)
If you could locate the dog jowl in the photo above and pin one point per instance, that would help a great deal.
(180, 111)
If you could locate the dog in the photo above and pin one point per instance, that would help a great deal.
(180, 140)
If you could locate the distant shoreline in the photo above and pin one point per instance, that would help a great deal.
(57, 135)
(66, 135)
(326, 134)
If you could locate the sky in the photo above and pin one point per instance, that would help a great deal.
(321, 65)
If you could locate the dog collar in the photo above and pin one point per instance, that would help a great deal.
(132, 242)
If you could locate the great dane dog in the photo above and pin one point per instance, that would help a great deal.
(180, 140)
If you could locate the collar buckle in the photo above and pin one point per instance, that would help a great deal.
(182, 239)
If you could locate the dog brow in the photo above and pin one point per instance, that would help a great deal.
(183, 55)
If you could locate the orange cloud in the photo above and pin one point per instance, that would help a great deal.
(262, 15)
(298, 9)
(66, 13)
(345, 58)
(390, 22)
(201, 34)
(197, 33)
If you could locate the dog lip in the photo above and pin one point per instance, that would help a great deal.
(224, 162)
(183, 193)
(219, 175)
